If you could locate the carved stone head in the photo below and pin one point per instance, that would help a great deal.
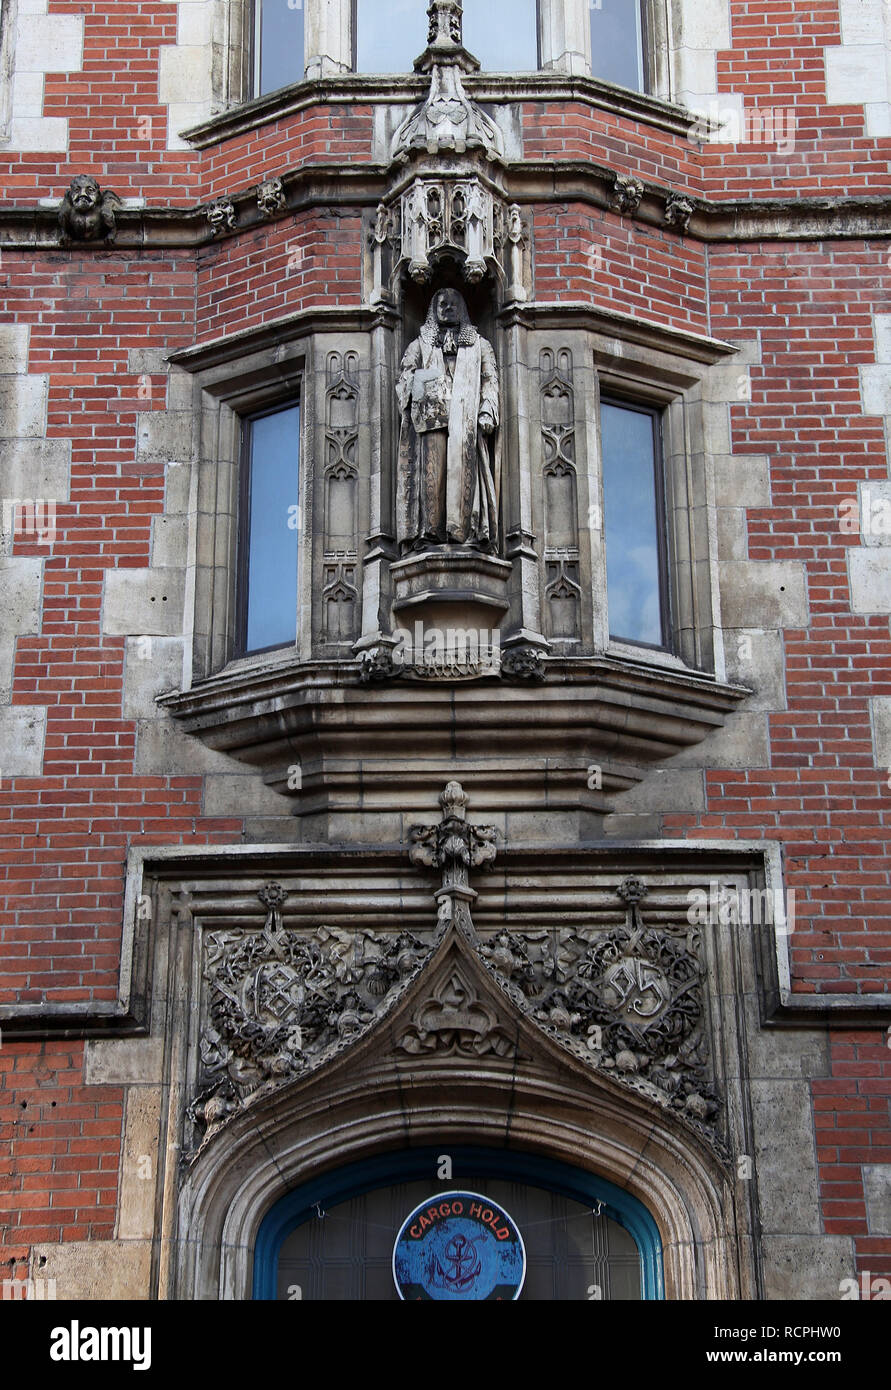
(447, 313)
(84, 193)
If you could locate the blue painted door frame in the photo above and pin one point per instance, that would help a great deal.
(390, 1169)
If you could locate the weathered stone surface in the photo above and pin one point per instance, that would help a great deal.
(769, 594)
(147, 602)
(223, 791)
(123, 1061)
(22, 733)
(806, 1267)
(153, 666)
(785, 1172)
(877, 1187)
(870, 578)
(139, 1163)
(97, 1269)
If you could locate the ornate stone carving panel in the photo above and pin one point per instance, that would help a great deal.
(340, 592)
(276, 1002)
(558, 433)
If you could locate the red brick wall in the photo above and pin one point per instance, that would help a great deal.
(65, 835)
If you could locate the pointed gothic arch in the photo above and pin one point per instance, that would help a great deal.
(454, 1060)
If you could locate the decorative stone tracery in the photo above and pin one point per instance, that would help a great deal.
(626, 997)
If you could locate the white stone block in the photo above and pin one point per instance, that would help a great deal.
(185, 74)
(49, 43)
(861, 21)
(22, 733)
(875, 389)
(704, 24)
(696, 73)
(182, 116)
(855, 75)
(764, 594)
(875, 513)
(882, 325)
(27, 95)
(20, 578)
(23, 402)
(194, 22)
(878, 119)
(869, 571)
(13, 348)
(32, 7)
(143, 602)
(39, 468)
(47, 135)
(880, 714)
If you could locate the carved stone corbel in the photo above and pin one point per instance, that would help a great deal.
(678, 212)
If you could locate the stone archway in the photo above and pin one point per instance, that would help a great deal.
(484, 1075)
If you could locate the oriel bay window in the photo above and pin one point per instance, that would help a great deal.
(269, 531)
(278, 43)
(634, 523)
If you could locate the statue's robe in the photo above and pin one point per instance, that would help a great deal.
(449, 476)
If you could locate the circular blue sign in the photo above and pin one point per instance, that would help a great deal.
(459, 1247)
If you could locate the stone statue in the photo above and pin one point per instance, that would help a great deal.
(86, 213)
(449, 471)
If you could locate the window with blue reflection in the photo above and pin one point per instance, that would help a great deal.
(390, 34)
(633, 523)
(503, 34)
(617, 42)
(278, 44)
(270, 530)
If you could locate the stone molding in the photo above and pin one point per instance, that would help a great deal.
(522, 182)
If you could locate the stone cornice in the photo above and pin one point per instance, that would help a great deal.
(223, 879)
(492, 88)
(333, 318)
(631, 328)
(364, 185)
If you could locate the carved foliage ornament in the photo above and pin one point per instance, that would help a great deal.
(628, 999)
(277, 1001)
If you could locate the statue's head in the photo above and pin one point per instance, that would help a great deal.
(84, 193)
(448, 305)
(448, 317)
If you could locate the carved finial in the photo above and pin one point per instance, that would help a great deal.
(453, 846)
(453, 801)
(445, 37)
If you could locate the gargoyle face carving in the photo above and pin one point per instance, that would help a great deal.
(84, 193)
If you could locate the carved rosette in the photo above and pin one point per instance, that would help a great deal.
(627, 194)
